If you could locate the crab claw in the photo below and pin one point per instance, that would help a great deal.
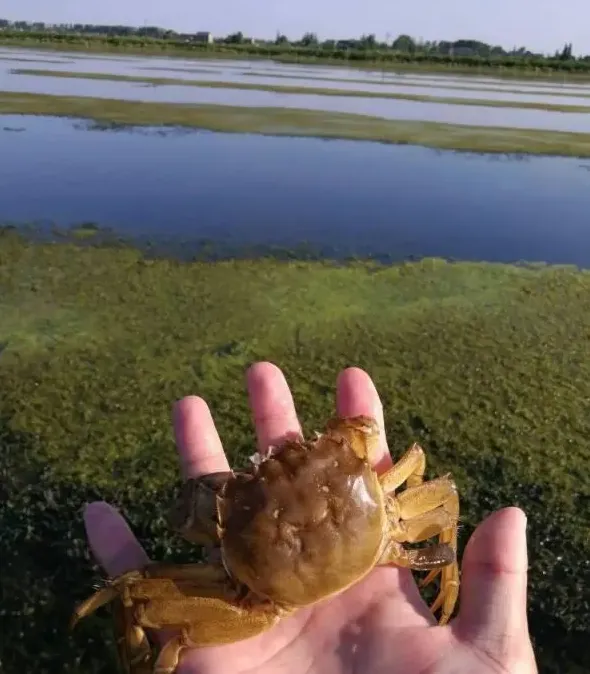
(104, 596)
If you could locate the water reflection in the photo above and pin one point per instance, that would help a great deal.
(172, 62)
(234, 72)
(187, 186)
(386, 109)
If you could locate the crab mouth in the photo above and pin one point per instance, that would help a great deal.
(257, 458)
(260, 457)
(223, 562)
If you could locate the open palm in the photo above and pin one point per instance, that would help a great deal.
(381, 624)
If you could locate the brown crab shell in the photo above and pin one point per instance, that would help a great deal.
(306, 524)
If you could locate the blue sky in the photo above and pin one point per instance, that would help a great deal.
(542, 25)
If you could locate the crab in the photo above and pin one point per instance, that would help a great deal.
(309, 519)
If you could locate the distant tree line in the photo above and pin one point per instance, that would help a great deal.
(402, 49)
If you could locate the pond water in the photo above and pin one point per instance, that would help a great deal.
(362, 198)
(238, 72)
(313, 82)
(130, 63)
(267, 72)
(386, 109)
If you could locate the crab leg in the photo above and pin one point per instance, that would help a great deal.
(205, 575)
(169, 656)
(410, 468)
(449, 592)
(201, 621)
(115, 589)
(435, 501)
(422, 527)
(206, 621)
(426, 510)
(418, 559)
(195, 599)
(133, 645)
(429, 506)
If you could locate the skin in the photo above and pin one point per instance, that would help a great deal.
(380, 626)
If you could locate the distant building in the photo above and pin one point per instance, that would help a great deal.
(204, 36)
(462, 51)
(346, 44)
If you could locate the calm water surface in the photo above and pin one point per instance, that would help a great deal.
(129, 63)
(282, 77)
(238, 71)
(363, 198)
(386, 109)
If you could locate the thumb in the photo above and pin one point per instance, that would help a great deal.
(494, 586)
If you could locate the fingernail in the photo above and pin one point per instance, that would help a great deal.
(97, 509)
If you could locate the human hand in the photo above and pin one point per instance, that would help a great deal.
(379, 626)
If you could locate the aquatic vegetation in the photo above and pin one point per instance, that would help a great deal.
(315, 91)
(487, 365)
(299, 122)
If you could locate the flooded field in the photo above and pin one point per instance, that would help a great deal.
(237, 72)
(228, 67)
(268, 73)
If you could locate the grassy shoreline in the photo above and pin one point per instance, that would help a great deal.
(293, 90)
(304, 123)
(98, 342)
(169, 51)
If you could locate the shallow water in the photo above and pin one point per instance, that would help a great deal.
(246, 189)
(277, 74)
(293, 68)
(226, 75)
(386, 109)
(271, 73)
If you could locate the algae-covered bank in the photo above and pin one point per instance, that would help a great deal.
(276, 121)
(289, 89)
(487, 365)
